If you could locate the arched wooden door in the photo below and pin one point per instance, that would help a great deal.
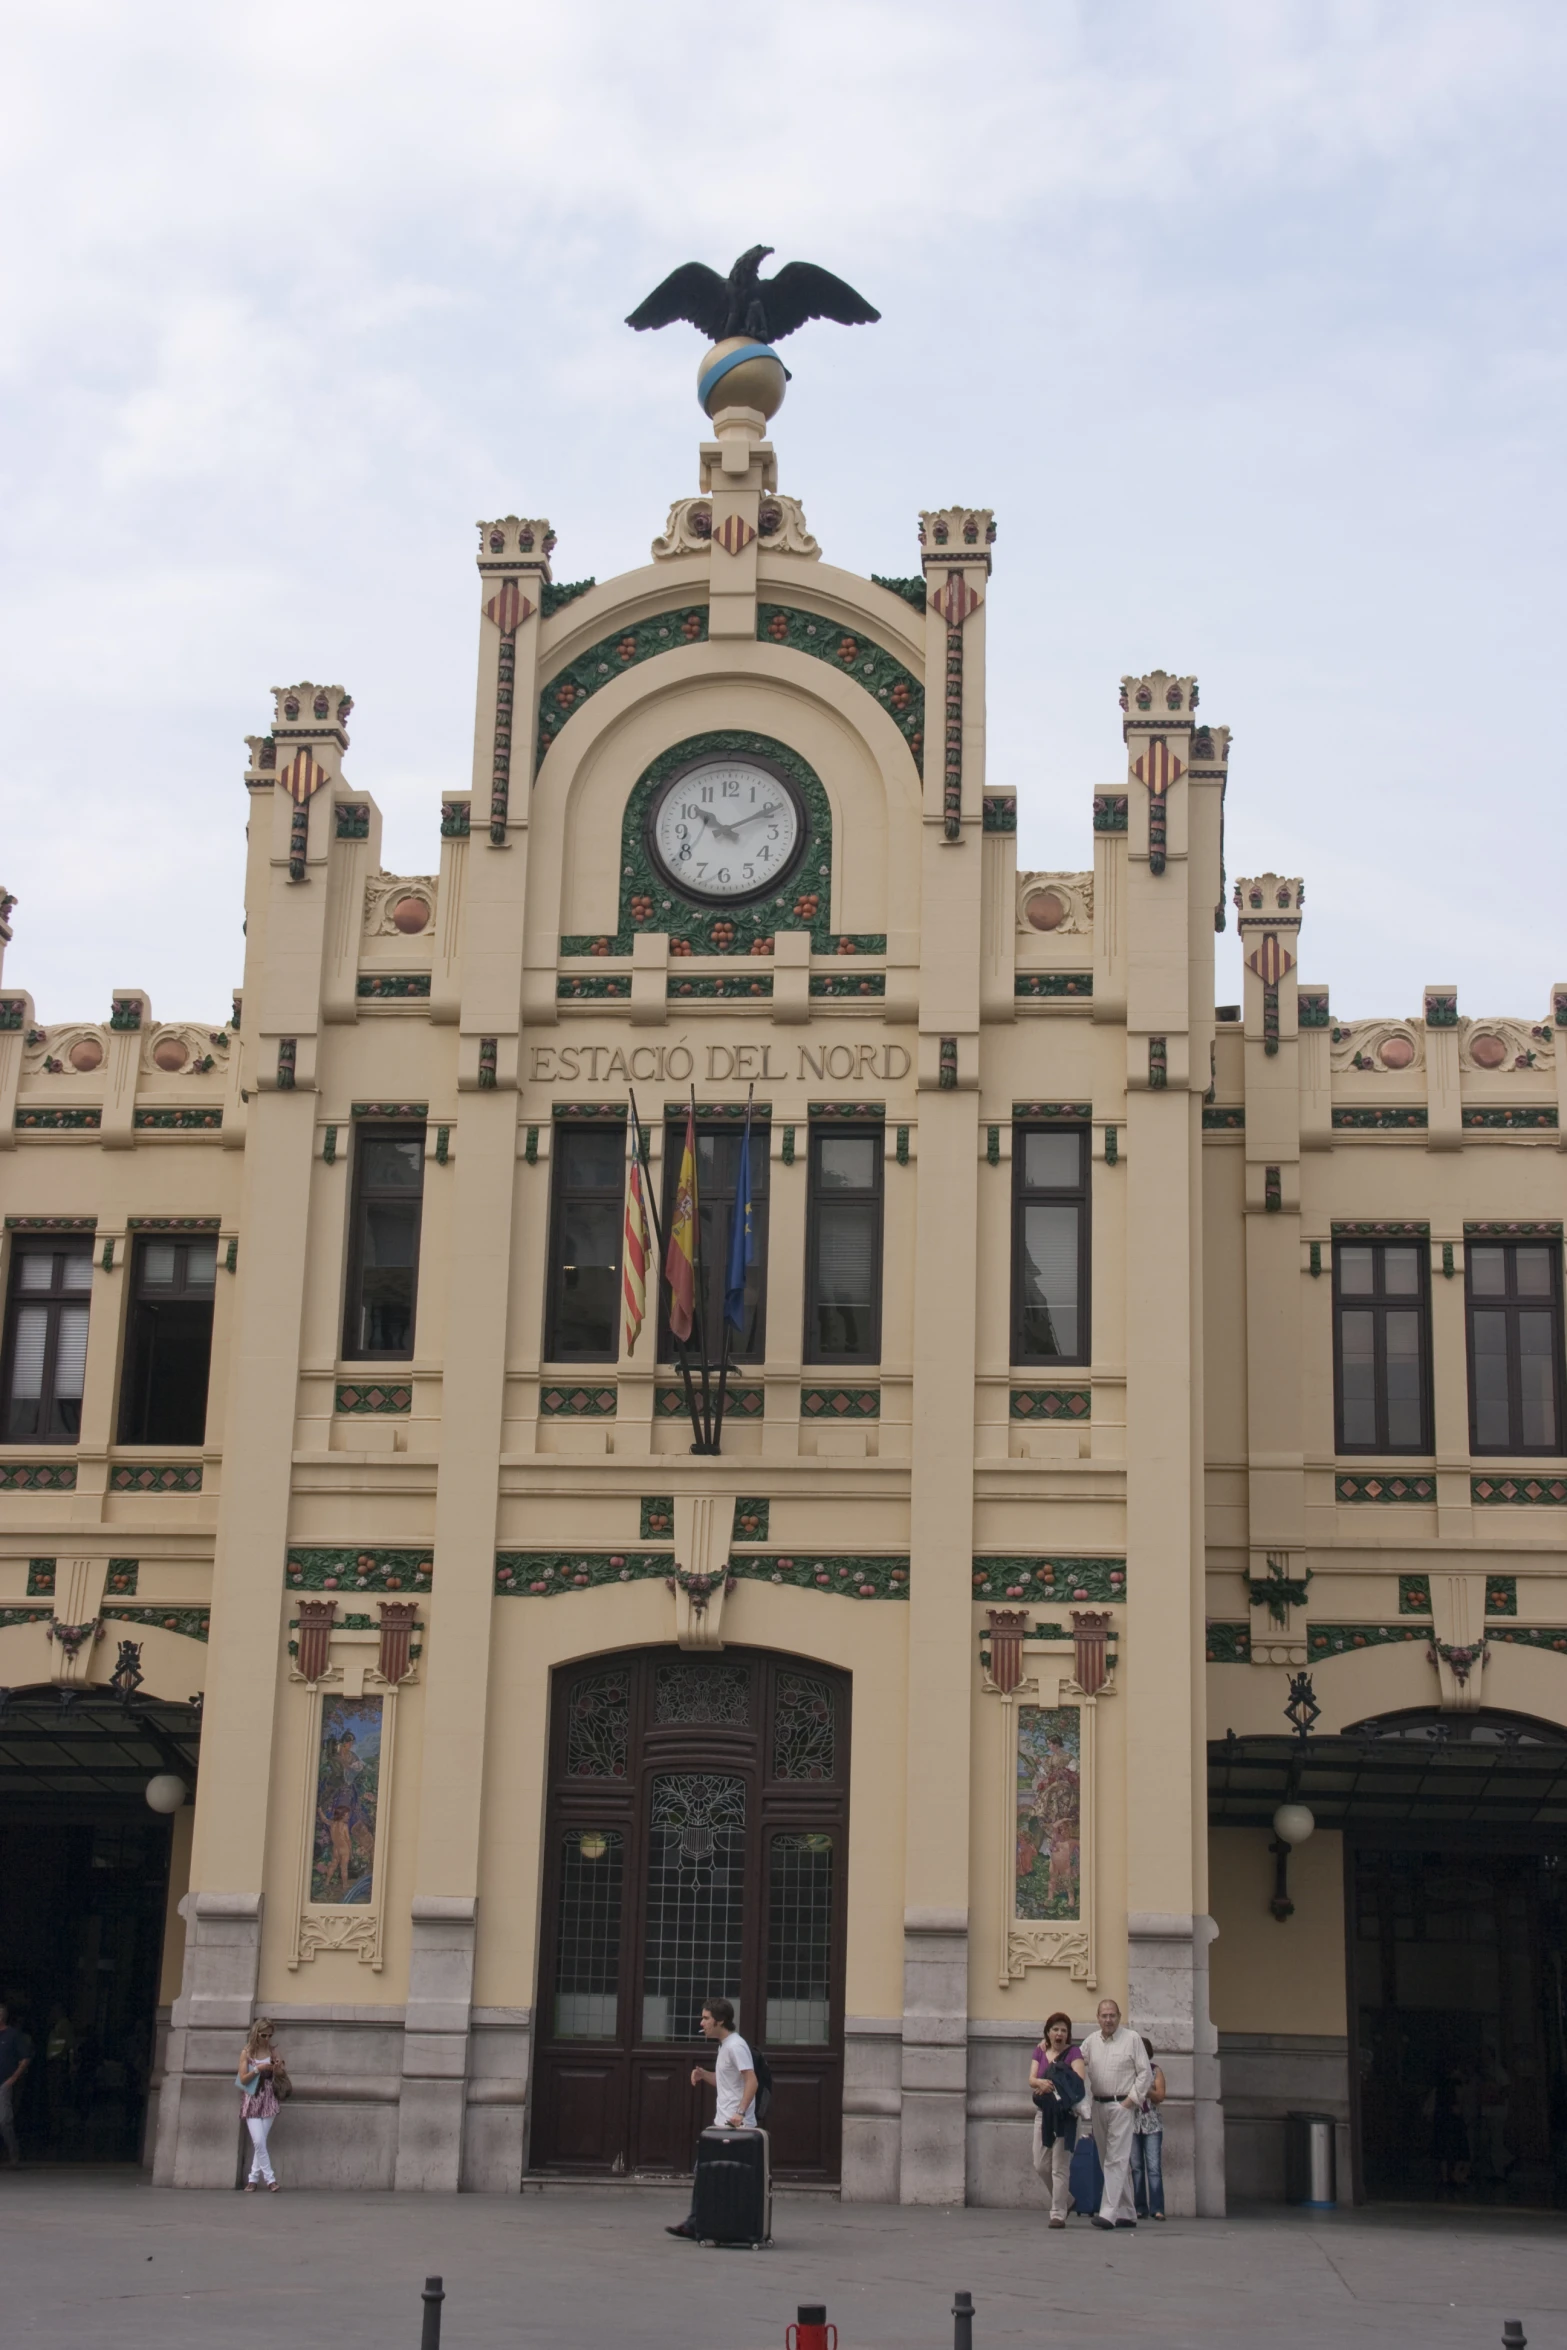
(697, 1846)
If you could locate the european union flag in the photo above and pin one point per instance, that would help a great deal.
(742, 1239)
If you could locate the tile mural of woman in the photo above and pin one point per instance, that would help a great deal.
(347, 1784)
(1049, 1792)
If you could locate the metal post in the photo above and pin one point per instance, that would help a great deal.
(432, 2297)
(1513, 2335)
(962, 2321)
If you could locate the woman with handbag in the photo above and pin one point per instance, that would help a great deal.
(1148, 2149)
(1056, 2076)
(263, 2084)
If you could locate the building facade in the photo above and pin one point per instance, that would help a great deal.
(1108, 1360)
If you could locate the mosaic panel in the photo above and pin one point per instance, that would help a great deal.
(1344, 1639)
(191, 1623)
(1050, 1403)
(752, 1520)
(356, 1396)
(850, 1577)
(358, 1570)
(658, 1517)
(1049, 1813)
(578, 1402)
(1385, 1489)
(1501, 1595)
(38, 1477)
(1414, 1595)
(840, 1403)
(348, 1775)
(1045, 1579)
(1519, 1492)
(1053, 983)
(156, 1477)
(1229, 1644)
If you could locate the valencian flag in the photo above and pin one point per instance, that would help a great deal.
(635, 1254)
(680, 1257)
(742, 1237)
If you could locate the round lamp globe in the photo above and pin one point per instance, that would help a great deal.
(166, 1792)
(1293, 1823)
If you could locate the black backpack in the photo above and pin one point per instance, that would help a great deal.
(764, 2086)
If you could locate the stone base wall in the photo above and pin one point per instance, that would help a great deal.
(1266, 2076)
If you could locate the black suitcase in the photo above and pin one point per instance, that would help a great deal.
(732, 2192)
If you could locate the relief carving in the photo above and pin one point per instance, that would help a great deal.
(1059, 905)
(399, 905)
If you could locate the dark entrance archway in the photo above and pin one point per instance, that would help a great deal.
(84, 1868)
(696, 1845)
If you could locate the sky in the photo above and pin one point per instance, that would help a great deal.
(1245, 316)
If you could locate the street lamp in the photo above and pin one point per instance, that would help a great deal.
(1292, 1824)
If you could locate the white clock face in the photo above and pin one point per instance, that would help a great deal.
(727, 830)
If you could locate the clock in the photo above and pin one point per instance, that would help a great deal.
(727, 830)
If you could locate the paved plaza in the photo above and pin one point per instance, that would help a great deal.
(103, 2259)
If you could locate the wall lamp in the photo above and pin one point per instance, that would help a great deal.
(1292, 1824)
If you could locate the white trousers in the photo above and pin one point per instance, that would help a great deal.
(260, 2159)
(1114, 2130)
(1053, 2167)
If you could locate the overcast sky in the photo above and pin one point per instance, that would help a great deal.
(1245, 316)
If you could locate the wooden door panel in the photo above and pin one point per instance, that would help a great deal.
(581, 2108)
(802, 2121)
(665, 2113)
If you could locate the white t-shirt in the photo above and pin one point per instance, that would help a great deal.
(734, 2062)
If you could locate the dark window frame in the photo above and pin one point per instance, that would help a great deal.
(561, 1197)
(1379, 1304)
(55, 1298)
(712, 1283)
(367, 1132)
(1025, 1196)
(836, 1130)
(1513, 1307)
(182, 1292)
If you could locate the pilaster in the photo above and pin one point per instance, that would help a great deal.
(1269, 913)
(738, 467)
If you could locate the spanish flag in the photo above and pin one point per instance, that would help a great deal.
(680, 1256)
(635, 1254)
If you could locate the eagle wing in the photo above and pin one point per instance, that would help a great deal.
(801, 291)
(694, 292)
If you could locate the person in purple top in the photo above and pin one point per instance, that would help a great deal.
(1056, 2068)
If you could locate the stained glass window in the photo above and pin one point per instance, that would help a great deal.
(799, 1941)
(587, 1947)
(803, 1728)
(696, 1691)
(598, 1726)
(695, 1900)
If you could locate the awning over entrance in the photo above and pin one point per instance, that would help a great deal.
(1423, 1772)
(68, 1744)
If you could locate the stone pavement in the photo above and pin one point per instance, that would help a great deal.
(101, 2261)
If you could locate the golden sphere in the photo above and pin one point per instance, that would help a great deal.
(755, 380)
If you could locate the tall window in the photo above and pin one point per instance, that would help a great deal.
(1515, 1346)
(46, 1341)
(843, 1247)
(383, 1259)
(1382, 1347)
(582, 1318)
(168, 1343)
(717, 1179)
(1050, 1245)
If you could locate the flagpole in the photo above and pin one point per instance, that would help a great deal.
(706, 1443)
(681, 1363)
(723, 1360)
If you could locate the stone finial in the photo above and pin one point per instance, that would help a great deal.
(957, 534)
(514, 541)
(1210, 747)
(308, 713)
(1161, 700)
(1270, 902)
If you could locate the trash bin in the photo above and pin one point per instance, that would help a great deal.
(1308, 2160)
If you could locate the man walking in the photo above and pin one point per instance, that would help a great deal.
(1119, 2078)
(733, 2076)
(16, 2054)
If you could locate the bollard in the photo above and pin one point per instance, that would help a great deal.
(432, 2297)
(812, 2332)
(962, 2321)
(1513, 2335)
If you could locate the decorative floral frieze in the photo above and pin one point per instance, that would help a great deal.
(564, 693)
(1050, 1578)
(1367, 1121)
(838, 984)
(741, 1403)
(1532, 1636)
(998, 811)
(356, 1396)
(593, 1113)
(51, 1223)
(730, 986)
(556, 594)
(850, 1576)
(191, 1623)
(11, 1617)
(1414, 1595)
(35, 1121)
(1223, 1118)
(1344, 1639)
(545, 1574)
(1390, 1488)
(844, 1113)
(657, 1520)
(1547, 1229)
(1501, 1595)
(1027, 984)
(598, 986)
(1519, 1492)
(1535, 1121)
(1051, 1113)
(173, 1223)
(1110, 811)
(584, 1402)
(37, 1477)
(180, 1121)
(391, 986)
(40, 1578)
(752, 1519)
(1229, 1644)
(1050, 1403)
(840, 1403)
(1379, 1231)
(882, 676)
(155, 1477)
(406, 1113)
(123, 1577)
(358, 1570)
(912, 591)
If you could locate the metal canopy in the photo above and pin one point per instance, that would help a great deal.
(67, 1742)
(1387, 1778)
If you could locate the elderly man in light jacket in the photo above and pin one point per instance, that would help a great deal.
(1119, 2078)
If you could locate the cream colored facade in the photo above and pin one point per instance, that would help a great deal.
(1142, 1492)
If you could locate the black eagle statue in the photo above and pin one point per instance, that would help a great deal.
(746, 303)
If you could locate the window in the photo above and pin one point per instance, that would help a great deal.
(1050, 1244)
(1515, 1346)
(843, 1247)
(168, 1343)
(46, 1341)
(717, 1179)
(383, 1262)
(582, 1317)
(1382, 1347)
